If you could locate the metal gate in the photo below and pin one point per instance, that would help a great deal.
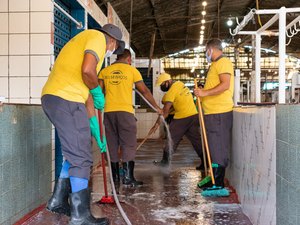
(62, 27)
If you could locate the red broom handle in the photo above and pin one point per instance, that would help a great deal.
(102, 154)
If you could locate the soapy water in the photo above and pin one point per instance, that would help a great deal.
(170, 141)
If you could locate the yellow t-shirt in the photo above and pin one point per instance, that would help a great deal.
(65, 79)
(181, 98)
(172, 111)
(118, 82)
(223, 102)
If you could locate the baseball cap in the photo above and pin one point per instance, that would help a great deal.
(115, 32)
(162, 78)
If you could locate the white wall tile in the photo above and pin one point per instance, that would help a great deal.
(41, 5)
(19, 44)
(4, 86)
(3, 44)
(19, 23)
(40, 22)
(40, 65)
(19, 100)
(19, 66)
(4, 23)
(35, 101)
(3, 66)
(18, 5)
(40, 44)
(36, 86)
(19, 87)
(4, 6)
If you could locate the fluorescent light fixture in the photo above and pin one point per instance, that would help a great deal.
(184, 51)
(224, 45)
(229, 22)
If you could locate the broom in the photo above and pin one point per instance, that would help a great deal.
(106, 199)
(214, 191)
(207, 178)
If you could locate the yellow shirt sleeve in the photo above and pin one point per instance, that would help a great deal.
(170, 95)
(136, 75)
(224, 66)
(96, 45)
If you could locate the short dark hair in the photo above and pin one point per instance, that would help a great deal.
(124, 55)
(215, 43)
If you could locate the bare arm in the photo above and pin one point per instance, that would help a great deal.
(88, 70)
(89, 104)
(101, 83)
(220, 88)
(147, 94)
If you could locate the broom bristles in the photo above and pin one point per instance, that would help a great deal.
(215, 192)
(204, 181)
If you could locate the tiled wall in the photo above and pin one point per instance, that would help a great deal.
(252, 170)
(25, 49)
(25, 160)
(288, 166)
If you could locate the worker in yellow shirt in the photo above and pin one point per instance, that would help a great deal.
(71, 81)
(117, 81)
(217, 102)
(185, 122)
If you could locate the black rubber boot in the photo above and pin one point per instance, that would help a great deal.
(116, 175)
(165, 160)
(81, 211)
(59, 203)
(219, 174)
(128, 178)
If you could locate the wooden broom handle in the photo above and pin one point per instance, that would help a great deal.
(200, 114)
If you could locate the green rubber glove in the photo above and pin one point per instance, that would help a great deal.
(98, 97)
(95, 130)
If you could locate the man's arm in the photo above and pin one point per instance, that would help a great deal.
(220, 88)
(147, 94)
(89, 104)
(101, 83)
(88, 70)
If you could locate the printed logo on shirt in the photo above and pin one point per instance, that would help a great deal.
(185, 91)
(115, 77)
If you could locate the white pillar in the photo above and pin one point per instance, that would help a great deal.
(237, 86)
(282, 53)
(257, 67)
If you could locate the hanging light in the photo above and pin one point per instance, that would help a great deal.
(204, 3)
(203, 21)
(203, 13)
(202, 27)
(202, 32)
(229, 22)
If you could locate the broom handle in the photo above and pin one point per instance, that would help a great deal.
(202, 140)
(204, 153)
(102, 155)
(200, 113)
(146, 138)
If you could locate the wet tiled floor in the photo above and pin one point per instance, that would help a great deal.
(169, 196)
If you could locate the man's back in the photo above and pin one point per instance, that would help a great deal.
(118, 82)
(181, 99)
(65, 79)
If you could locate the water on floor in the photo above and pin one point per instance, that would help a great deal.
(169, 195)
